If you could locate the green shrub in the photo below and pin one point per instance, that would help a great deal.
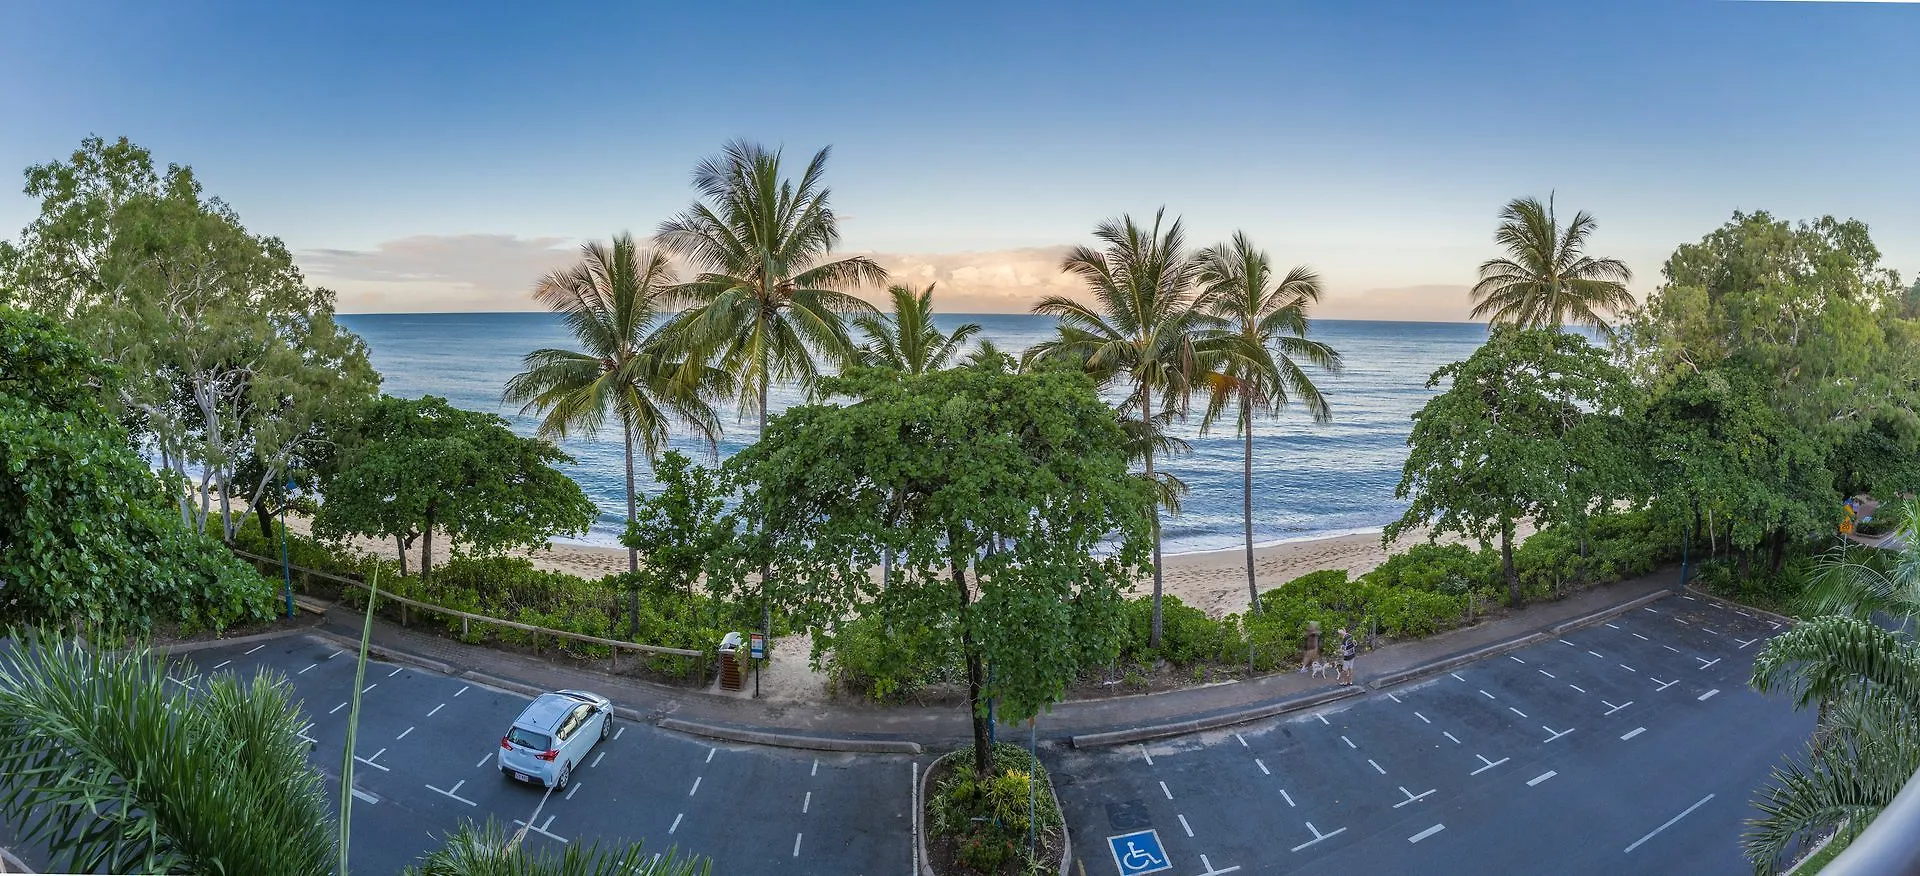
(988, 817)
(887, 665)
(1441, 568)
(1779, 592)
(1187, 634)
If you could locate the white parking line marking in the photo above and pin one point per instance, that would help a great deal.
(796, 845)
(1612, 626)
(304, 671)
(1595, 653)
(1349, 742)
(542, 829)
(1184, 825)
(1455, 739)
(806, 803)
(336, 708)
(676, 823)
(1670, 821)
(1541, 778)
(369, 761)
(1515, 659)
(1671, 648)
(1546, 673)
(1577, 687)
(1773, 624)
(696, 786)
(483, 761)
(1263, 767)
(1163, 790)
(1212, 872)
(1708, 663)
(456, 787)
(1682, 620)
(571, 787)
(364, 795)
(256, 648)
(1323, 720)
(619, 730)
(1143, 753)
(403, 734)
(1566, 643)
(1616, 708)
(1490, 764)
(710, 752)
(335, 654)
(1556, 733)
(816, 765)
(1644, 608)
(1426, 833)
(217, 666)
(1456, 675)
(461, 691)
(1688, 598)
(1641, 638)
(1377, 768)
(1389, 696)
(396, 671)
(1715, 632)
(370, 687)
(1286, 797)
(1704, 696)
(596, 759)
(1318, 836)
(1628, 668)
(1484, 693)
(1743, 645)
(436, 709)
(1421, 717)
(1516, 711)
(1243, 741)
(1632, 733)
(1411, 796)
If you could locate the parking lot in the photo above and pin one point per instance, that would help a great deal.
(426, 761)
(1629, 746)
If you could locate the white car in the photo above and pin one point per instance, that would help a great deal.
(553, 735)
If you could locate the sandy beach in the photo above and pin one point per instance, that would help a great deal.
(1213, 581)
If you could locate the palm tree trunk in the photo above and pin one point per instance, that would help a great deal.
(1246, 499)
(766, 566)
(1146, 420)
(633, 554)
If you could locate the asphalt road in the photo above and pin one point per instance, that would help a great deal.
(1633, 746)
(426, 762)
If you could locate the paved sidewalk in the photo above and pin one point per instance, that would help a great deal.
(942, 725)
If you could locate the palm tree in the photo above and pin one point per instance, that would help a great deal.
(1147, 333)
(767, 299)
(1865, 681)
(475, 850)
(109, 769)
(1267, 328)
(909, 342)
(1547, 280)
(610, 301)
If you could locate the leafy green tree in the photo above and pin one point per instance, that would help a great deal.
(1147, 333)
(1865, 680)
(612, 301)
(1547, 280)
(679, 531)
(113, 772)
(1004, 498)
(908, 341)
(410, 467)
(86, 539)
(1510, 437)
(1267, 327)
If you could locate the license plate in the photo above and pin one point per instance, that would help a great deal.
(522, 777)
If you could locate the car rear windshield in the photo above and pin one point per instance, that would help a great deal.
(528, 739)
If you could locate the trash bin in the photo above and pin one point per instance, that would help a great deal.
(731, 678)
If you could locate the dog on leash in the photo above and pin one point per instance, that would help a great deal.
(1321, 669)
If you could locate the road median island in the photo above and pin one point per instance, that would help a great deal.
(1214, 722)
(791, 740)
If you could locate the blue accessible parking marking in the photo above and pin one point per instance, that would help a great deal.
(1138, 852)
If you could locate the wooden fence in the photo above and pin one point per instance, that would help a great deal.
(467, 618)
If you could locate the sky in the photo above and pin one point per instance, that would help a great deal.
(440, 157)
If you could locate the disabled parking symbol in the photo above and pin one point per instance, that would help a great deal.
(1138, 852)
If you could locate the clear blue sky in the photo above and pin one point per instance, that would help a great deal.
(1374, 140)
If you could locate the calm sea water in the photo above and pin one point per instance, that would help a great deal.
(1309, 480)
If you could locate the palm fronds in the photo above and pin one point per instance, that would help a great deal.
(1547, 280)
(486, 850)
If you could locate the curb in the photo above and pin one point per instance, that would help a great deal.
(1458, 660)
(1213, 722)
(189, 647)
(11, 864)
(1603, 614)
(787, 740)
(1724, 602)
(922, 867)
(385, 653)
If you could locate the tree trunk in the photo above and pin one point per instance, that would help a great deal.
(400, 541)
(1146, 423)
(1746, 563)
(1246, 498)
(1779, 558)
(976, 704)
(1514, 596)
(633, 554)
(766, 566)
(426, 547)
(266, 520)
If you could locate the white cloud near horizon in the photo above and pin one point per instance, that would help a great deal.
(494, 272)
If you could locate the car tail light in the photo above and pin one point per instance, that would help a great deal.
(549, 755)
(506, 743)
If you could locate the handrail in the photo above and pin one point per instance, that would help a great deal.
(1890, 846)
(427, 606)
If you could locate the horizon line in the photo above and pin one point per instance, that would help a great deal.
(939, 313)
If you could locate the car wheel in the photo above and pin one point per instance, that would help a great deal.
(566, 775)
(606, 727)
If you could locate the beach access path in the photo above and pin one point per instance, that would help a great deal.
(853, 726)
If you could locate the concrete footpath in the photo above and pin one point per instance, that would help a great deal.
(853, 726)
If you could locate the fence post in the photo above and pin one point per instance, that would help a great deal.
(463, 626)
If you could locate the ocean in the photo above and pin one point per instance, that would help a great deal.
(1310, 480)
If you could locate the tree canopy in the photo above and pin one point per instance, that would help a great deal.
(1017, 480)
(409, 467)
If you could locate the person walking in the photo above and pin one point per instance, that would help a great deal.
(1348, 650)
(1312, 653)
